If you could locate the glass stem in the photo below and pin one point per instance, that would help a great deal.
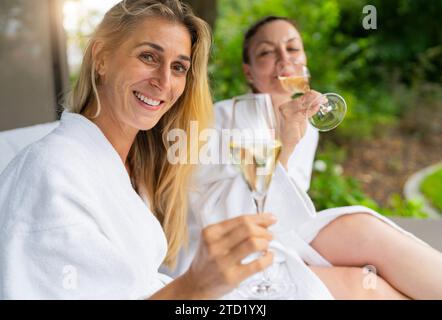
(259, 203)
(323, 110)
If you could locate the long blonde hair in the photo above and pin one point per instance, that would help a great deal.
(165, 184)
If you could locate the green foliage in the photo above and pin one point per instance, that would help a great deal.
(371, 68)
(431, 187)
(330, 188)
(398, 206)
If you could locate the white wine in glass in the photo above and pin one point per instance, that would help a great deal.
(255, 149)
(257, 161)
(295, 79)
(295, 84)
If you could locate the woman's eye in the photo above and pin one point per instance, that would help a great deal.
(147, 57)
(265, 53)
(180, 68)
(292, 49)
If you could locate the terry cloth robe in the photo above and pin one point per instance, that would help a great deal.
(71, 224)
(13, 141)
(221, 193)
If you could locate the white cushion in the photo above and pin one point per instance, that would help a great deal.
(13, 141)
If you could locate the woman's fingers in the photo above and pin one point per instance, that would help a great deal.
(248, 247)
(246, 270)
(313, 101)
(308, 105)
(220, 243)
(244, 234)
(216, 268)
(216, 231)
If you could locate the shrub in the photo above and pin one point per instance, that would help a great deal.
(431, 187)
(331, 188)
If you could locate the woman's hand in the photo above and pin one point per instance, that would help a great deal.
(216, 268)
(292, 117)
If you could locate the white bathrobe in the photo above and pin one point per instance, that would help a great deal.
(222, 193)
(72, 226)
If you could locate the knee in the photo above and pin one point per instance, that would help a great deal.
(359, 220)
(363, 226)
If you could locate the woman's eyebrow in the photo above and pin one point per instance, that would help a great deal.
(292, 39)
(272, 43)
(161, 49)
(265, 42)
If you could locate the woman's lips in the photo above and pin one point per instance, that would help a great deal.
(285, 74)
(148, 103)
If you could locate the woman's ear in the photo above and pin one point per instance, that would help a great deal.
(98, 58)
(247, 72)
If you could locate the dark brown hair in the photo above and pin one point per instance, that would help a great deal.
(253, 29)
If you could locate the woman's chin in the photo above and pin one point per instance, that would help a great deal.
(146, 125)
(141, 121)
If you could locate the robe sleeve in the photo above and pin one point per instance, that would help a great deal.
(300, 165)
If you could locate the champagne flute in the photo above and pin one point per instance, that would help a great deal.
(255, 148)
(294, 78)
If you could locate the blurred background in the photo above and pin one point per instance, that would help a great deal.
(391, 78)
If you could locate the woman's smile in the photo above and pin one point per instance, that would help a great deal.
(148, 102)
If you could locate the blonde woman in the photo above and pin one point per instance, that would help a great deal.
(92, 209)
(343, 246)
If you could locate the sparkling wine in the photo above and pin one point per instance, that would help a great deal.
(295, 84)
(257, 162)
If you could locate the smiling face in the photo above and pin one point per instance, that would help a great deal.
(143, 78)
(275, 45)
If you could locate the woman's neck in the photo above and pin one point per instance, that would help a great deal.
(120, 135)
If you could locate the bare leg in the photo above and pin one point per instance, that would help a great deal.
(361, 239)
(349, 283)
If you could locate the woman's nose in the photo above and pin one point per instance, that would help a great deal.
(161, 78)
(283, 55)
(287, 58)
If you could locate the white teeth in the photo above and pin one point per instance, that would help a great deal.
(152, 102)
(147, 100)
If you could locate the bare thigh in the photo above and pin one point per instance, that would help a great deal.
(354, 240)
(350, 283)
